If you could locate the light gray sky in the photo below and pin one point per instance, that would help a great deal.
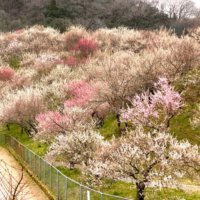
(197, 2)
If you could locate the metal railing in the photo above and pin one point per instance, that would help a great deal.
(63, 187)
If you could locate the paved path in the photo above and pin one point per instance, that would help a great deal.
(10, 174)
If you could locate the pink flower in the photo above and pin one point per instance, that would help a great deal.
(71, 61)
(86, 47)
(6, 73)
(81, 93)
(51, 121)
(154, 109)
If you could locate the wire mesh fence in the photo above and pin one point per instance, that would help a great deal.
(63, 187)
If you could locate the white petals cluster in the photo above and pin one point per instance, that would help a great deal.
(77, 147)
(21, 107)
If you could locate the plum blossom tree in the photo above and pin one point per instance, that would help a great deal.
(77, 147)
(6, 73)
(86, 47)
(53, 123)
(146, 157)
(21, 108)
(45, 62)
(154, 110)
(81, 93)
(71, 61)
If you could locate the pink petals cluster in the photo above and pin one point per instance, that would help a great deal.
(153, 109)
(6, 73)
(166, 96)
(82, 48)
(53, 122)
(86, 47)
(81, 93)
(71, 61)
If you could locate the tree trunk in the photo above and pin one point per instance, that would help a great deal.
(71, 165)
(8, 127)
(140, 190)
(118, 121)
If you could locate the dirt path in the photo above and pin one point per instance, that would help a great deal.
(10, 174)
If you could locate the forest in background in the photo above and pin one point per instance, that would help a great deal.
(93, 14)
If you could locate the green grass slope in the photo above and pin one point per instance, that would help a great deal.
(189, 87)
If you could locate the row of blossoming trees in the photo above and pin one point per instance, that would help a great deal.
(59, 88)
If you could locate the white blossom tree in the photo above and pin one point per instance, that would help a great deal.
(21, 108)
(77, 147)
(146, 157)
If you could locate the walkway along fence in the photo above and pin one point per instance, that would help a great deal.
(63, 187)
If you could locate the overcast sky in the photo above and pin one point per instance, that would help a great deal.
(197, 3)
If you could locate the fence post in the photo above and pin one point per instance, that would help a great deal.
(34, 163)
(80, 192)
(57, 186)
(88, 194)
(101, 196)
(44, 172)
(66, 187)
(40, 173)
(51, 177)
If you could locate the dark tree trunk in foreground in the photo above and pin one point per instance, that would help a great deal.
(140, 190)
(118, 120)
(8, 127)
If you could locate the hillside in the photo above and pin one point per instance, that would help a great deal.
(59, 14)
(109, 108)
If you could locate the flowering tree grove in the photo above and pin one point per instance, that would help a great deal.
(59, 86)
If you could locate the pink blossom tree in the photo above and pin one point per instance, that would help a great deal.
(75, 115)
(154, 110)
(6, 73)
(53, 123)
(71, 61)
(146, 158)
(80, 92)
(86, 47)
